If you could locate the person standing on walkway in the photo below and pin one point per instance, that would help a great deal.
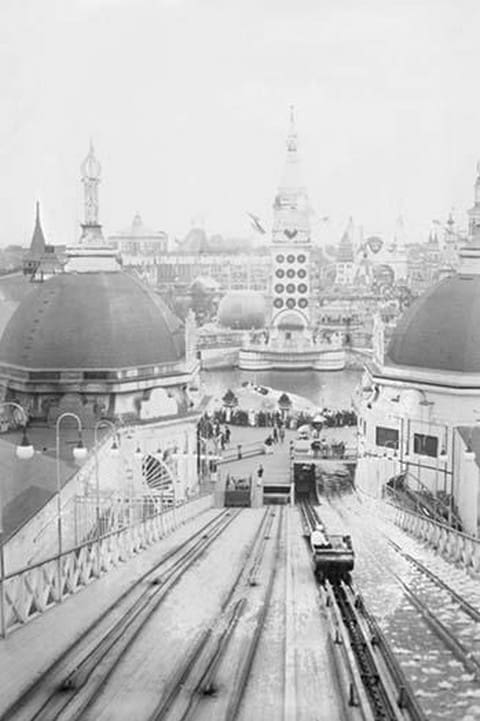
(281, 433)
(275, 434)
(226, 432)
(260, 473)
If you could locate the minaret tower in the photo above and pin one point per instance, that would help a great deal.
(92, 253)
(91, 174)
(291, 247)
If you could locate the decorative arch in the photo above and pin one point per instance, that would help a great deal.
(157, 474)
(290, 320)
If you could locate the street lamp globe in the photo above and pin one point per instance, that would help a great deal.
(114, 450)
(79, 451)
(24, 451)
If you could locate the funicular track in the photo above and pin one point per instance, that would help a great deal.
(194, 685)
(466, 652)
(370, 678)
(73, 682)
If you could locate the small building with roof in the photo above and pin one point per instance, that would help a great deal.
(140, 245)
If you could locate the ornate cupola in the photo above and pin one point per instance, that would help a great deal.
(92, 252)
(91, 176)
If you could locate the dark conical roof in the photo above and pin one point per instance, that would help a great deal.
(345, 247)
(37, 245)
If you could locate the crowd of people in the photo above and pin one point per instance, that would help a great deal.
(332, 418)
(215, 427)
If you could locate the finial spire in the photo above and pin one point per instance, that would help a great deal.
(292, 140)
(37, 245)
(91, 175)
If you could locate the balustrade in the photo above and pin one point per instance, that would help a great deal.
(32, 590)
(454, 546)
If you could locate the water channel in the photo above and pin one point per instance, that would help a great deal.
(325, 389)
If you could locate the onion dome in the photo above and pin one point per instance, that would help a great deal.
(242, 309)
(91, 168)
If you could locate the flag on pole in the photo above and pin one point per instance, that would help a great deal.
(256, 224)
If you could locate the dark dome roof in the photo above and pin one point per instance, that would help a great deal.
(242, 309)
(91, 320)
(441, 330)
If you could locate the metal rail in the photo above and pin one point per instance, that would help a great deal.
(379, 680)
(467, 607)
(199, 671)
(72, 678)
(449, 640)
(309, 514)
(246, 662)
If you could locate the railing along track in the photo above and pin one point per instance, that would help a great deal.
(449, 640)
(81, 672)
(195, 680)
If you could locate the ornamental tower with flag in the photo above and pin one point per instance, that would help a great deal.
(290, 342)
(291, 247)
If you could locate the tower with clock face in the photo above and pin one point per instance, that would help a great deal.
(290, 248)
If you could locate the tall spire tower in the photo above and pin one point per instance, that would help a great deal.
(291, 245)
(91, 171)
(291, 342)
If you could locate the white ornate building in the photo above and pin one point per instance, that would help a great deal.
(94, 341)
(139, 245)
(290, 342)
(417, 393)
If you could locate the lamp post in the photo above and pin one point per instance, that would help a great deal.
(24, 451)
(114, 452)
(79, 454)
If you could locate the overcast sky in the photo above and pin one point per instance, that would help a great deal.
(187, 104)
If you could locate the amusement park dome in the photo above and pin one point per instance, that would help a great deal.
(242, 310)
(441, 330)
(98, 320)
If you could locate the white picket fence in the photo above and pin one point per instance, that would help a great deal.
(454, 546)
(30, 591)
